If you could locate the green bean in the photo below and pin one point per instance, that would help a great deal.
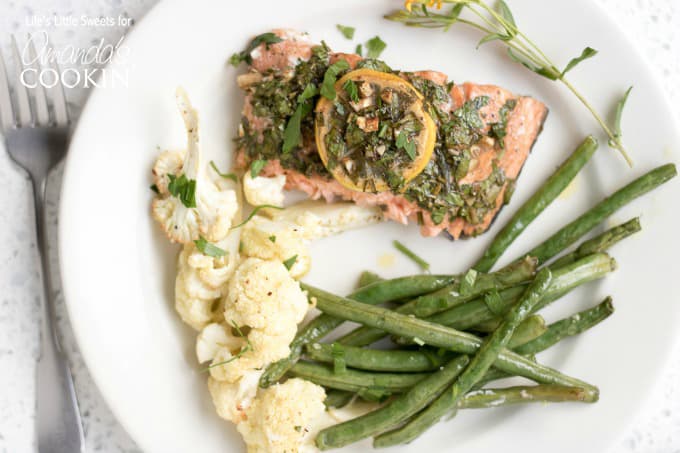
(601, 242)
(394, 412)
(530, 329)
(570, 233)
(448, 296)
(374, 293)
(438, 336)
(381, 384)
(540, 200)
(488, 352)
(380, 359)
(338, 398)
(483, 398)
(565, 279)
(573, 325)
(368, 277)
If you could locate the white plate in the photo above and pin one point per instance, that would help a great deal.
(118, 269)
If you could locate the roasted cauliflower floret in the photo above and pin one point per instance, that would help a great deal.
(231, 399)
(190, 204)
(201, 284)
(262, 308)
(264, 190)
(277, 240)
(262, 295)
(283, 418)
(318, 219)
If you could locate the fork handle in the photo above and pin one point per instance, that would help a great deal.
(58, 425)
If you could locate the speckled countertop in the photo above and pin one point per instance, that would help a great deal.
(654, 23)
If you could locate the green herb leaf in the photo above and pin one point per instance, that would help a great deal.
(292, 135)
(492, 37)
(347, 32)
(308, 93)
(297, 428)
(424, 265)
(588, 52)
(375, 47)
(618, 114)
(290, 262)
(243, 350)
(184, 189)
(329, 78)
(498, 129)
(351, 89)
(154, 188)
(244, 55)
(272, 238)
(338, 354)
(410, 149)
(256, 167)
(545, 71)
(359, 50)
(230, 176)
(468, 282)
(504, 11)
(209, 249)
(254, 212)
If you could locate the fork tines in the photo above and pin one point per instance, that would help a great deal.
(30, 105)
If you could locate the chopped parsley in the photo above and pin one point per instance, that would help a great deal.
(424, 265)
(407, 144)
(347, 32)
(375, 47)
(351, 89)
(292, 135)
(183, 188)
(272, 239)
(244, 55)
(209, 249)
(329, 78)
(498, 129)
(230, 176)
(290, 262)
(256, 167)
(154, 188)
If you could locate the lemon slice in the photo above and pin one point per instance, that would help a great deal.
(376, 134)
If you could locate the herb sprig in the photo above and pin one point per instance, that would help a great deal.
(183, 188)
(248, 347)
(498, 24)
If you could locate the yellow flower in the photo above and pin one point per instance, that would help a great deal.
(408, 4)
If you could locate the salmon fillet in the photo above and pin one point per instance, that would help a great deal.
(483, 179)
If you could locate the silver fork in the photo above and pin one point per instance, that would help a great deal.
(36, 141)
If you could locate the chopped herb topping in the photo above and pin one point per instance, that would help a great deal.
(329, 78)
(351, 89)
(244, 55)
(209, 249)
(256, 167)
(347, 32)
(290, 262)
(272, 238)
(252, 214)
(297, 428)
(338, 353)
(184, 189)
(375, 47)
(499, 129)
(468, 282)
(154, 188)
(424, 265)
(230, 176)
(359, 50)
(248, 347)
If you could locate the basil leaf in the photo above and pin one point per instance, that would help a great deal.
(375, 47)
(209, 249)
(244, 55)
(184, 189)
(588, 52)
(329, 78)
(290, 262)
(347, 32)
(231, 176)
